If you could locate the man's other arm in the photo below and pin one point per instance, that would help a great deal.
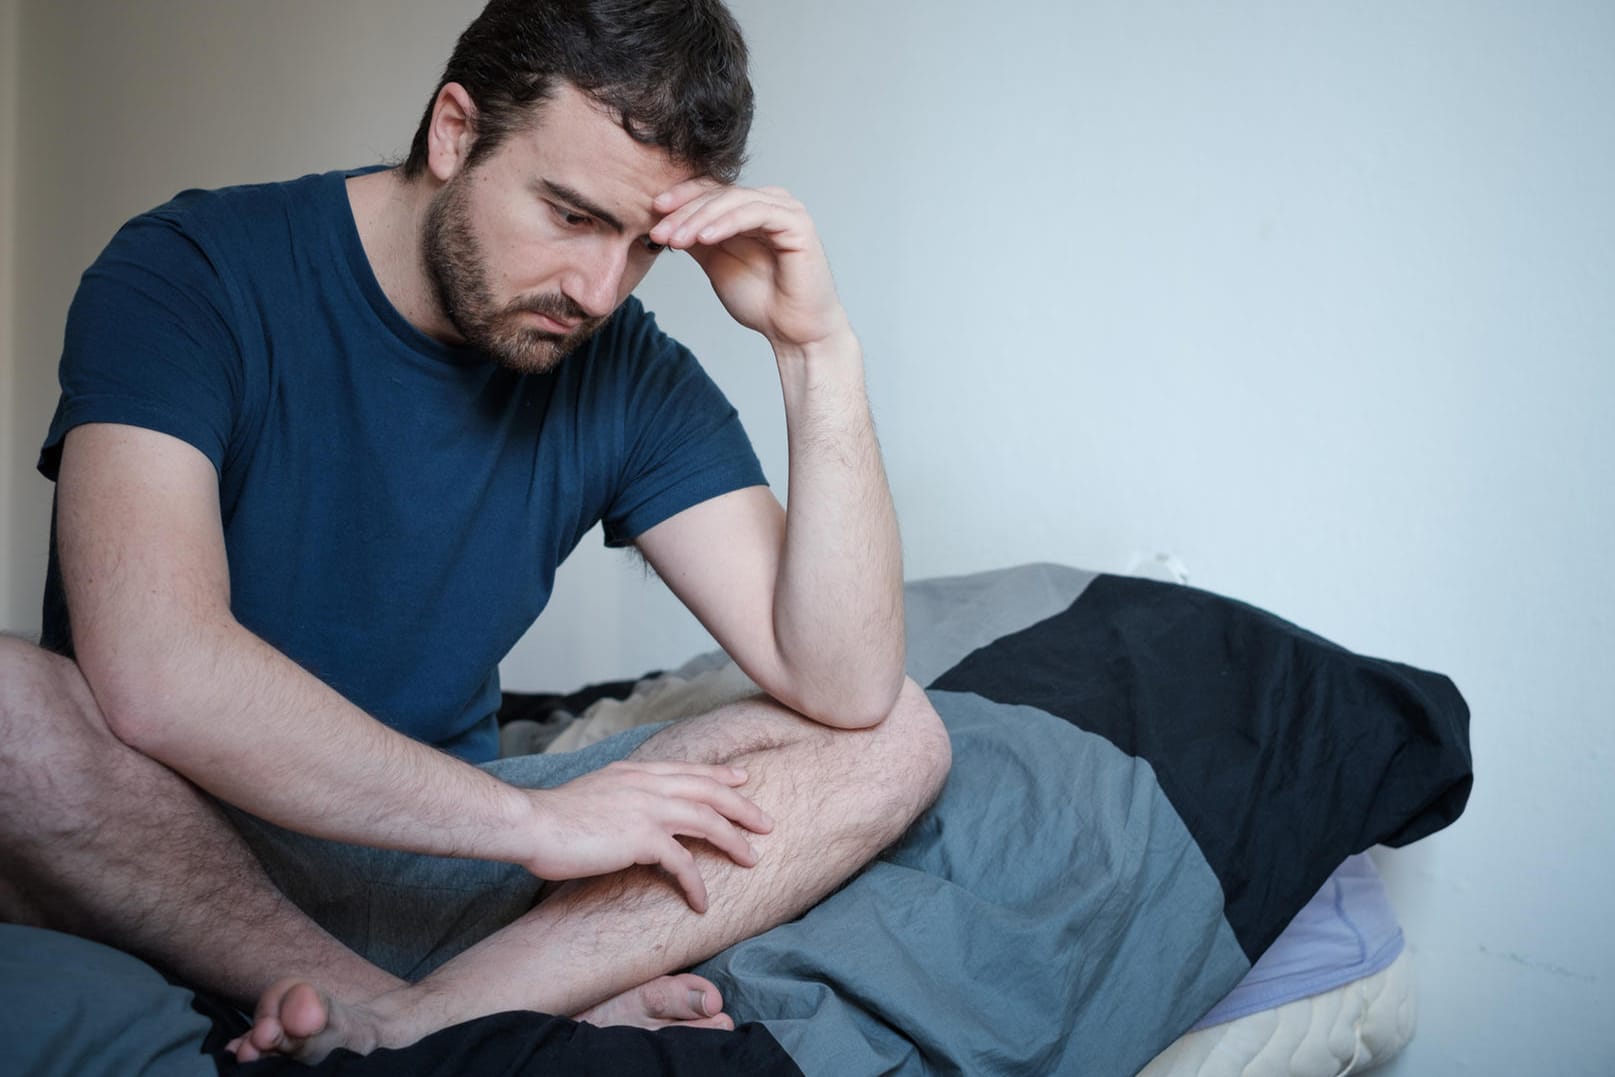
(180, 680)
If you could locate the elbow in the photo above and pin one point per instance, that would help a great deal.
(133, 711)
(155, 671)
(856, 690)
(137, 699)
(874, 707)
(862, 705)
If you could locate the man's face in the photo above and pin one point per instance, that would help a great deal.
(531, 250)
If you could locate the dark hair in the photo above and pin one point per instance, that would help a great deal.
(673, 70)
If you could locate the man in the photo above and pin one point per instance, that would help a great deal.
(320, 447)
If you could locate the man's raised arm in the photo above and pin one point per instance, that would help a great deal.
(809, 602)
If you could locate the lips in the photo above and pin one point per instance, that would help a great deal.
(552, 324)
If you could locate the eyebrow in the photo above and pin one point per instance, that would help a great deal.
(578, 201)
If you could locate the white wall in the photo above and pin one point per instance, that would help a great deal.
(1312, 296)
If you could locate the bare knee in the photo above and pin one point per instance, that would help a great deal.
(44, 702)
(44, 732)
(55, 747)
(912, 752)
(887, 774)
(906, 751)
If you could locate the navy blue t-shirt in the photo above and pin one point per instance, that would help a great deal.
(394, 509)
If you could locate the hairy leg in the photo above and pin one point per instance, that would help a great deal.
(837, 798)
(100, 841)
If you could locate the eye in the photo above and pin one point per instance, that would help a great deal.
(653, 247)
(569, 218)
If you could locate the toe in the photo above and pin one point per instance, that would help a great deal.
(303, 1012)
(264, 1035)
(702, 1003)
(685, 997)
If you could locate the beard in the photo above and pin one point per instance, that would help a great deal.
(458, 269)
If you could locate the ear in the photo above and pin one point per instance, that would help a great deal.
(453, 129)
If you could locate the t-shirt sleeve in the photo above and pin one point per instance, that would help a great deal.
(685, 443)
(148, 343)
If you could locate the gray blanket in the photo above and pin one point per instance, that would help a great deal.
(1149, 781)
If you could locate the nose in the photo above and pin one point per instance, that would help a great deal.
(596, 278)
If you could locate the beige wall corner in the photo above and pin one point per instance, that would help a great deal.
(12, 615)
(128, 104)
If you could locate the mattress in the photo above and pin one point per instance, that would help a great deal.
(1350, 1029)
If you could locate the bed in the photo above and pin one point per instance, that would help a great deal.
(1151, 784)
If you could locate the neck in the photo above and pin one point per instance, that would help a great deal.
(390, 212)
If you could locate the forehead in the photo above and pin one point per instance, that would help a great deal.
(576, 143)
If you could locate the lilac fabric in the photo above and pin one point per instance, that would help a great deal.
(1347, 931)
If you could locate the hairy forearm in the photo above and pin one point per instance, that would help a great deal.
(832, 586)
(146, 576)
(235, 716)
(838, 603)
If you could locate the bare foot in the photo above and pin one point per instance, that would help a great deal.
(685, 1000)
(294, 1019)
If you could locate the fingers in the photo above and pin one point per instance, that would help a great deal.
(682, 203)
(691, 802)
(637, 813)
(693, 805)
(722, 835)
(704, 784)
(674, 197)
(759, 248)
(678, 862)
(728, 775)
(711, 215)
(725, 801)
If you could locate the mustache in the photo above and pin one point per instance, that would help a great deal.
(551, 305)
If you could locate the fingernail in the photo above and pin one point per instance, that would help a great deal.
(740, 773)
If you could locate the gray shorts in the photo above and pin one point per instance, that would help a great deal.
(407, 912)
